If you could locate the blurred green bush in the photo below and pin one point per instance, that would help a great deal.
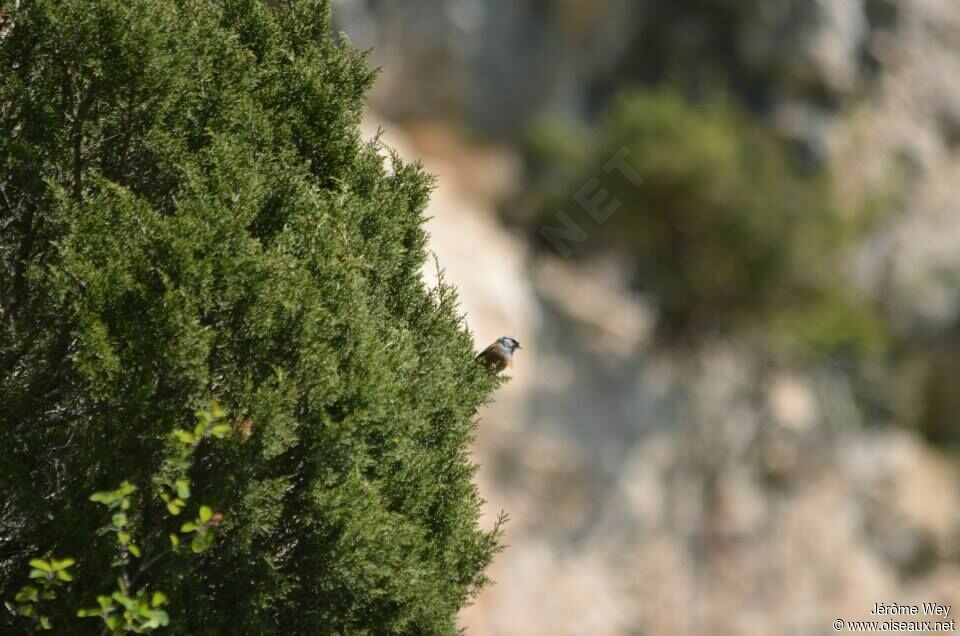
(724, 231)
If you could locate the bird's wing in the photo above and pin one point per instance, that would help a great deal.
(491, 356)
(483, 354)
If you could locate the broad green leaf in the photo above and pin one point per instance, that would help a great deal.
(103, 497)
(62, 564)
(40, 564)
(201, 542)
(159, 598)
(206, 513)
(158, 618)
(124, 600)
(220, 430)
(134, 550)
(189, 526)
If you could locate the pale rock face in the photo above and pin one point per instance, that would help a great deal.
(502, 62)
(692, 492)
(668, 493)
(792, 401)
(904, 145)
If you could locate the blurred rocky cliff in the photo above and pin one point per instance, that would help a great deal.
(666, 488)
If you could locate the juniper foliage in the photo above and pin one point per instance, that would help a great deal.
(187, 210)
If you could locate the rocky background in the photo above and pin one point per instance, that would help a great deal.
(708, 484)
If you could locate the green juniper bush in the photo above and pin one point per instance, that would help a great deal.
(188, 211)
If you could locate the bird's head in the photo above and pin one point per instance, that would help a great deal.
(510, 344)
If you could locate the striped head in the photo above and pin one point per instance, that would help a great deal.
(510, 344)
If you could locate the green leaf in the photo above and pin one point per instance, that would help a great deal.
(189, 526)
(174, 540)
(206, 513)
(216, 410)
(158, 618)
(184, 436)
(45, 623)
(183, 488)
(173, 508)
(88, 612)
(124, 600)
(63, 575)
(221, 430)
(114, 623)
(106, 602)
(27, 594)
(159, 598)
(38, 574)
(40, 564)
(61, 564)
(120, 519)
(134, 550)
(201, 541)
(123, 537)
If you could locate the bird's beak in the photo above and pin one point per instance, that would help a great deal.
(518, 346)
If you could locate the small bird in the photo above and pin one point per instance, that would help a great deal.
(499, 355)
